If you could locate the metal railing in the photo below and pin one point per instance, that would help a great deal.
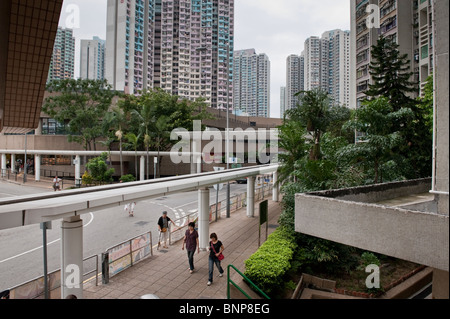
(126, 254)
(229, 281)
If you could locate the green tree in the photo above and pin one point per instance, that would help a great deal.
(133, 141)
(81, 104)
(313, 113)
(377, 120)
(391, 75)
(99, 170)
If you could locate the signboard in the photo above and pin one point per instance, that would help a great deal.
(263, 218)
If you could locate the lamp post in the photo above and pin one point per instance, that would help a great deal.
(227, 147)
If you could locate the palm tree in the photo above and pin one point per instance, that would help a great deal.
(116, 121)
(133, 141)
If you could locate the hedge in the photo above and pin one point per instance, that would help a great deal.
(267, 266)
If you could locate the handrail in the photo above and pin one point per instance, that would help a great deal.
(239, 288)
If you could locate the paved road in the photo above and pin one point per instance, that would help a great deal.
(21, 248)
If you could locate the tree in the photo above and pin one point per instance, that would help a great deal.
(81, 104)
(391, 75)
(99, 170)
(133, 141)
(312, 113)
(377, 120)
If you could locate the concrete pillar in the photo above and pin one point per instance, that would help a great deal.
(77, 167)
(275, 191)
(196, 148)
(3, 165)
(13, 163)
(37, 168)
(72, 257)
(142, 168)
(203, 217)
(251, 196)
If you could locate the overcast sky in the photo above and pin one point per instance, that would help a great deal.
(275, 27)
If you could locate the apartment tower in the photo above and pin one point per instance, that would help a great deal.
(184, 47)
(62, 65)
(406, 22)
(92, 59)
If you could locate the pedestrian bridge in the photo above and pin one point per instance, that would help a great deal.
(70, 205)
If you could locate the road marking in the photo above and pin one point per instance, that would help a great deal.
(48, 244)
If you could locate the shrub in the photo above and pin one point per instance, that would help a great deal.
(87, 179)
(267, 266)
(127, 178)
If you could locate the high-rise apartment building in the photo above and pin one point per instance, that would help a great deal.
(406, 22)
(283, 100)
(62, 65)
(327, 65)
(184, 47)
(92, 59)
(129, 45)
(295, 74)
(251, 83)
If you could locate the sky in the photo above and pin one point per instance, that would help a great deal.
(277, 28)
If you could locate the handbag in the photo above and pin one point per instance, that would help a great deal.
(221, 256)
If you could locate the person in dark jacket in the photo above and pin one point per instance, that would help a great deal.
(191, 241)
(163, 227)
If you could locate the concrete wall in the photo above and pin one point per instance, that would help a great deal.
(441, 39)
(379, 192)
(377, 228)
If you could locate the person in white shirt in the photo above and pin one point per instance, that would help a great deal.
(56, 182)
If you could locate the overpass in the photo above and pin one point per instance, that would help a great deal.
(71, 204)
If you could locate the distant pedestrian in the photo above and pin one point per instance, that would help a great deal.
(215, 257)
(56, 182)
(131, 211)
(191, 241)
(163, 227)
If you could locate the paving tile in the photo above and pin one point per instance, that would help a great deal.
(166, 274)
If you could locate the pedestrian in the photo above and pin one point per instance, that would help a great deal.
(191, 241)
(215, 257)
(163, 227)
(56, 182)
(132, 206)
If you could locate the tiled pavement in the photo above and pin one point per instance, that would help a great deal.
(166, 273)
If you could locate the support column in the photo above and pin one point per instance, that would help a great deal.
(251, 196)
(13, 163)
(37, 168)
(203, 217)
(72, 257)
(142, 168)
(77, 167)
(196, 148)
(3, 165)
(275, 191)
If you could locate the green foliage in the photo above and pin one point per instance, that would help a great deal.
(368, 258)
(81, 104)
(391, 75)
(127, 178)
(378, 122)
(267, 266)
(99, 170)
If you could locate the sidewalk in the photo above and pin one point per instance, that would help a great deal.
(45, 182)
(166, 273)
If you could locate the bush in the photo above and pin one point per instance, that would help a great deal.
(87, 179)
(267, 266)
(127, 178)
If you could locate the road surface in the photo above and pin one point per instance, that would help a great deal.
(21, 248)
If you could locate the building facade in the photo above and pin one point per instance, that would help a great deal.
(92, 59)
(282, 101)
(62, 65)
(251, 83)
(184, 47)
(327, 65)
(406, 22)
(295, 74)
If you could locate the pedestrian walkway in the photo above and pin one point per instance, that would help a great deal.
(166, 273)
(45, 182)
